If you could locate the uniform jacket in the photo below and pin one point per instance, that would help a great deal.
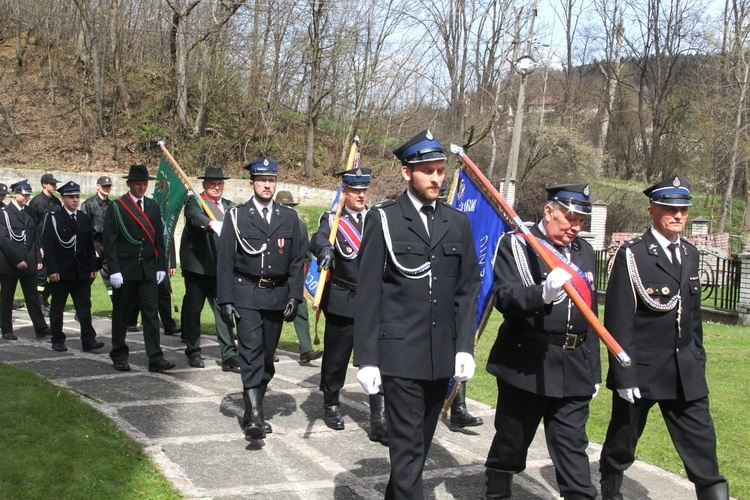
(400, 325)
(666, 360)
(282, 259)
(14, 252)
(75, 263)
(199, 245)
(529, 364)
(338, 299)
(96, 207)
(136, 261)
(41, 205)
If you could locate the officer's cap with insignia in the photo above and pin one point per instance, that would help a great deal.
(22, 187)
(420, 148)
(674, 191)
(265, 165)
(356, 178)
(574, 197)
(3, 189)
(70, 188)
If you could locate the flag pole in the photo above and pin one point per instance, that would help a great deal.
(515, 221)
(335, 226)
(186, 180)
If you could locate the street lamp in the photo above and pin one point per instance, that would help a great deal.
(524, 66)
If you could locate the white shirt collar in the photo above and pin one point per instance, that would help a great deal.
(418, 204)
(19, 207)
(663, 242)
(261, 206)
(69, 212)
(135, 200)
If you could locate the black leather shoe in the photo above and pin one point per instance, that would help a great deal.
(172, 331)
(133, 328)
(196, 362)
(332, 408)
(253, 423)
(231, 365)
(59, 346)
(17, 304)
(460, 416)
(308, 356)
(92, 346)
(122, 366)
(10, 336)
(378, 422)
(41, 334)
(160, 366)
(267, 427)
(275, 358)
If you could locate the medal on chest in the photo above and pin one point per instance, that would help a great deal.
(280, 243)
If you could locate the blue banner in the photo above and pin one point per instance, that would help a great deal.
(313, 276)
(488, 226)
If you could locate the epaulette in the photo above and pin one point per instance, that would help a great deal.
(687, 243)
(386, 203)
(632, 242)
(284, 206)
(448, 205)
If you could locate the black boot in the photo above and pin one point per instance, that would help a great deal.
(718, 491)
(378, 423)
(252, 421)
(611, 484)
(332, 418)
(266, 426)
(499, 484)
(460, 416)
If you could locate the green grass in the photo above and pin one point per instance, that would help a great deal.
(55, 446)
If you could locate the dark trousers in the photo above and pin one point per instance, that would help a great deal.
(689, 424)
(164, 305)
(339, 342)
(302, 328)
(517, 418)
(198, 289)
(258, 334)
(8, 283)
(412, 409)
(80, 292)
(145, 295)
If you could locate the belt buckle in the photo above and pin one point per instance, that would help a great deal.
(571, 341)
(261, 283)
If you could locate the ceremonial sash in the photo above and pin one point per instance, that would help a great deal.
(214, 207)
(141, 219)
(578, 278)
(351, 234)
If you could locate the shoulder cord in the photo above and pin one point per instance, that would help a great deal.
(71, 243)
(247, 248)
(652, 304)
(415, 273)
(122, 228)
(342, 253)
(14, 236)
(519, 255)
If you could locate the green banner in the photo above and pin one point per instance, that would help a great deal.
(170, 193)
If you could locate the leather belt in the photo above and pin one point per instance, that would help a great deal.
(568, 341)
(343, 283)
(261, 282)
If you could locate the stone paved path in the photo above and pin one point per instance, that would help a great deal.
(188, 420)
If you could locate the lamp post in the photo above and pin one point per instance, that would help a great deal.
(524, 66)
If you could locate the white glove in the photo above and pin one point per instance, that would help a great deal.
(555, 281)
(369, 378)
(630, 394)
(116, 280)
(465, 366)
(216, 226)
(160, 275)
(596, 391)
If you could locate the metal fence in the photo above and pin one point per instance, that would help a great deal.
(719, 278)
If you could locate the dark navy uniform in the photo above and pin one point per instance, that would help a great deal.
(19, 243)
(41, 205)
(653, 310)
(96, 207)
(546, 360)
(259, 274)
(69, 253)
(414, 315)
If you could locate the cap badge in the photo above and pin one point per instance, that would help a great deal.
(586, 190)
(676, 181)
(429, 135)
(265, 163)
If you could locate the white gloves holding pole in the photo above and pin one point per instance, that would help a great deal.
(555, 281)
(465, 367)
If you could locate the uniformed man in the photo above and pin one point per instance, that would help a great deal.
(416, 309)
(198, 255)
(259, 278)
(134, 250)
(653, 310)
(71, 266)
(338, 299)
(42, 204)
(3, 194)
(546, 356)
(20, 259)
(95, 207)
(302, 321)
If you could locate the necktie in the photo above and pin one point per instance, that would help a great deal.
(428, 211)
(359, 220)
(265, 214)
(73, 216)
(140, 204)
(675, 262)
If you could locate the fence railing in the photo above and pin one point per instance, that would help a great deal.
(719, 278)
